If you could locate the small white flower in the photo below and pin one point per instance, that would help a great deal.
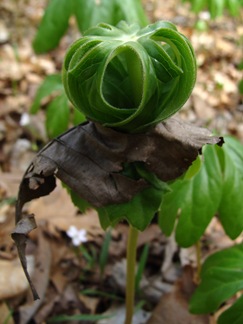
(77, 236)
(204, 15)
(25, 119)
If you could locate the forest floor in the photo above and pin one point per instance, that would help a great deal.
(72, 281)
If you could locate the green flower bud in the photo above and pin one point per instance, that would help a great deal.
(129, 78)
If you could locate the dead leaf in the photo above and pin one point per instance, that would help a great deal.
(89, 159)
(12, 278)
(173, 307)
(203, 110)
(151, 233)
(117, 315)
(58, 220)
(4, 33)
(19, 235)
(91, 303)
(40, 279)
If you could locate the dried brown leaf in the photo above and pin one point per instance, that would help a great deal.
(12, 279)
(40, 279)
(89, 159)
(19, 235)
(173, 307)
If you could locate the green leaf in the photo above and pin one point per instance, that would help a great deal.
(194, 168)
(221, 278)
(240, 86)
(130, 11)
(234, 7)
(82, 204)
(57, 116)
(187, 200)
(216, 7)
(53, 25)
(171, 204)
(233, 314)
(78, 117)
(231, 205)
(92, 12)
(114, 75)
(198, 5)
(50, 84)
(140, 210)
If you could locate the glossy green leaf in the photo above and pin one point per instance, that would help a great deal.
(234, 314)
(53, 25)
(231, 205)
(221, 278)
(218, 182)
(171, 204)
(57, 116)
(187, 200)
(129, 78)
(50, 84)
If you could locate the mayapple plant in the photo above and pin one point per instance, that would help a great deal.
(129, 78)
(127, 81)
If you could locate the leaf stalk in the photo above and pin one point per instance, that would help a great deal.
(131, 265)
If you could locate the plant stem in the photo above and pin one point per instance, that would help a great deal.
(131, 265)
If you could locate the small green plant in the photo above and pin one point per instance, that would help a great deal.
(126, 81)
(221, 279)
(53, 26)
(217, 180)
(108, 76)
(113, 75)
(216, 8)
(211, 186)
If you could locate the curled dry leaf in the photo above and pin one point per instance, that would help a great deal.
(19, 235)
(40, 278)
(89, 159)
